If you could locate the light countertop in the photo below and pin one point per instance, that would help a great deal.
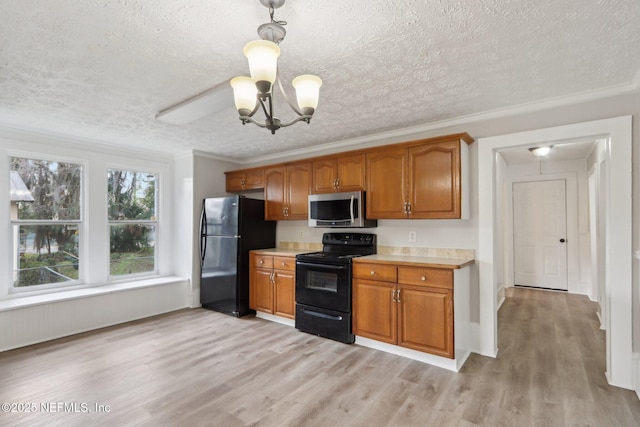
(417, 261)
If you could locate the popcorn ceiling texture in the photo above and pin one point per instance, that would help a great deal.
(101, 70)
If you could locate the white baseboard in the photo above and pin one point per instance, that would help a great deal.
(441, 362)
(474, 337)
(277, 319)
(635, 372)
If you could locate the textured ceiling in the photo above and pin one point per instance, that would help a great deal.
(101, 70)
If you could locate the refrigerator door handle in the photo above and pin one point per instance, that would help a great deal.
(203, 221)
(203, 248)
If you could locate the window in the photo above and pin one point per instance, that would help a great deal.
(46, 218)
(132, 200)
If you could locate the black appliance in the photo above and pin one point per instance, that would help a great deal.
(339, 210)
(229, 228)
(323, 285)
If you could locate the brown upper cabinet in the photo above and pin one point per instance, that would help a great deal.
(343, 173)
(243, 180)
(286, 191)
(420, 180)
(424, 179)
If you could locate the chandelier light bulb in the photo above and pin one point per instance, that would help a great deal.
(263, 62)
(307, 89)
(244, 93)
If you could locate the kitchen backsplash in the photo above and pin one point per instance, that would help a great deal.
(427, 252)
(300, 245)
(394, 250)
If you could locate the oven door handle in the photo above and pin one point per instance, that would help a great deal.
(321, 315)
(322, 266)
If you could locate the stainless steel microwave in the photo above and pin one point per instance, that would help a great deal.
(339, 210)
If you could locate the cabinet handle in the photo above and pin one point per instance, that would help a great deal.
(373, 273)
(423, 278)
(409, 208)
(284, 264)
(393, 295)
(260, 262)
(398, 295)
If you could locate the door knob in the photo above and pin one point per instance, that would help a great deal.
(562, 240)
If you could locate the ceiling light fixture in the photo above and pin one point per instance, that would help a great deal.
(540, 151)
(252, 93)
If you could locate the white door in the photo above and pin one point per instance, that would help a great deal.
(540, 233)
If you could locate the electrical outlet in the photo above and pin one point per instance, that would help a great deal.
(412, 236)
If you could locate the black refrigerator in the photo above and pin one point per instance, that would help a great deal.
(229, 228)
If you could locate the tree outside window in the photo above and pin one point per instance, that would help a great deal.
(46, 220)
(132, 199)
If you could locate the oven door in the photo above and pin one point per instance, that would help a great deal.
(324, 285)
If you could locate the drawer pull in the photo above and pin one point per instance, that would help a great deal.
(261, 262)
(373, 273)
(284, 264)
(423, 278)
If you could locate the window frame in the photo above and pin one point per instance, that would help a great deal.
(80, 223)
(155, 222)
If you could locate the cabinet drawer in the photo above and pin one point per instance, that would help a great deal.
(435, 277)
(381, 272)
(284, 263)
(264, 261)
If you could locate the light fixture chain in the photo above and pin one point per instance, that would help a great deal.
(271, 12)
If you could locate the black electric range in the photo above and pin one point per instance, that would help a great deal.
(323, 285)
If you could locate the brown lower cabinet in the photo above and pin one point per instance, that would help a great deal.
(407, 306)
(272, 285)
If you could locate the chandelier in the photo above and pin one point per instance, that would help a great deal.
(256, 92)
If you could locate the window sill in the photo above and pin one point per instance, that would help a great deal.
(33, 300)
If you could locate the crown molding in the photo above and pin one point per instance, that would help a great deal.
(198, 153)
(415, 131)
(11, 132)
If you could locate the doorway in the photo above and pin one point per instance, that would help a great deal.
(540, 234)
(617, 133)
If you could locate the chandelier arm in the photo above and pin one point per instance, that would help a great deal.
(267, 113)
(303, 118)
(250, 119)
(284, 94)
(255, 109)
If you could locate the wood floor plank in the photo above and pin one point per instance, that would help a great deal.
(198, 367)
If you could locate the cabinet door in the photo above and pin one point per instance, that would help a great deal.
(350, 172)
(374, 311)
(324, 176)
(234, 182)
(254, 179)
(285, 290)
(298, 187)
(263, 290)
(425, 319)
(434, 180)
(274, 193)
(386, 188)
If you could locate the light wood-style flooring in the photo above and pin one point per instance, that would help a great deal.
(198, 367)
